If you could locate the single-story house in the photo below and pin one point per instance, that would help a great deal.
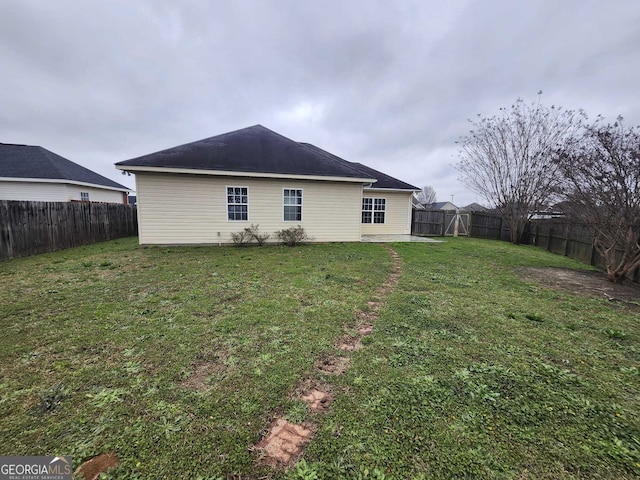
(32, 173)
(202, 192)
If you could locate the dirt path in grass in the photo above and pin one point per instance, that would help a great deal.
(284, 442)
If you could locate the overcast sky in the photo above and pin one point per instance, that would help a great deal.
(388, 84)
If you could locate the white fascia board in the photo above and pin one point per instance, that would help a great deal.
(62, 181)
(224, 173)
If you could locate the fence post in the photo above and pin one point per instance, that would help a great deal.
(566, 240)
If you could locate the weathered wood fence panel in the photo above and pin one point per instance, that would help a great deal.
(428, 222)
(28, 228)
(565, 238)
(488, 225)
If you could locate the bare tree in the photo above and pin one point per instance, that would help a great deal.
(508, 159)
(602, 186)
(426, 196)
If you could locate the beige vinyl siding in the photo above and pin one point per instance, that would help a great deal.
(33, 192)
(54, 192)
(192, 209)
(397, 213)
(95, 194)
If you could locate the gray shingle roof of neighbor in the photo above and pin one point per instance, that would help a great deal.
(441, 205)
(253, 149)
(475, 207)
(26, 161)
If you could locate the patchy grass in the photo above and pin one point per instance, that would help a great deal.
(178, 359)
(175, 358)
(473, 372)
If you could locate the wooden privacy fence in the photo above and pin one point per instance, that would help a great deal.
(566, 238)
(476, 224)
(557, 235)
(27, 228)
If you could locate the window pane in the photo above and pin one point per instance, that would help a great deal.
(292, 201)
(292, 213)
(366, 217)
(237, 203)
(378, 217)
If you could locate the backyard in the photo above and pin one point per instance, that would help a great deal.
(480, 362)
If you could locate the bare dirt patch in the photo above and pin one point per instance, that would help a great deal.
(365, 329)
(333, 365)
(284, 442)
(366, 317)
(92, 468)
(348, 343)
(317, 400)
(374, 306)
(585, 283)
(310, 385)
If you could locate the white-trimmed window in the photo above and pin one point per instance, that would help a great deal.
(373, 210)
(237, 203)
(292, 200)
(84, 196)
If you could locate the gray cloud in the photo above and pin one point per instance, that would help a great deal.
(389, 84)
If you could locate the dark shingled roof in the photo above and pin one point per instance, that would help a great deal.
(255, 149)
(25, 161)
(383, 180)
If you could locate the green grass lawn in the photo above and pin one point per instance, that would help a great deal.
(180, 358)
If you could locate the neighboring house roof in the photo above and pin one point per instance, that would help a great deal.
(443, 206)
(474, 207)
(32, 162)
(258, 150)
